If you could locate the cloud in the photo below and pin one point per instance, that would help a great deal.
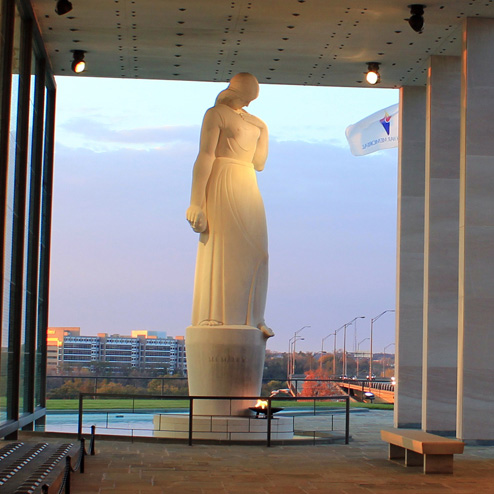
(99, 131)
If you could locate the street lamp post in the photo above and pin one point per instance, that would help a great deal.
(334, 333)
(289, 359)
(334, 354)
(384, 358)
(373, 320)
(322, 348)
(323, 340)
(291, 352)
(358, 347)
(290, 363)
(295, 339)
(344, 343)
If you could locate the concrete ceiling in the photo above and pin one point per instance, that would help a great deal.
(303, 42)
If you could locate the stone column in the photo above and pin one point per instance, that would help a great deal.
(442, 179)
(410, 258)
(476, 267)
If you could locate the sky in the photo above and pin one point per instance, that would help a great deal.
(123, 255)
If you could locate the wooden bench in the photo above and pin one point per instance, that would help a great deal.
(419, 448)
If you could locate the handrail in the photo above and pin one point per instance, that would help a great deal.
(191, 400)
(79, 466)
(65, 487)
(96, 381)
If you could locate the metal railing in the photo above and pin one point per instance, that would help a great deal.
(78, 466)
(190, 400)
(95, 383)
(296, 384)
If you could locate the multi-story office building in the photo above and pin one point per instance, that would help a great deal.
(116, 349)
(141, 350)
(80, 349)
(54, 344)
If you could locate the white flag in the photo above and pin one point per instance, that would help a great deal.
(375, 132)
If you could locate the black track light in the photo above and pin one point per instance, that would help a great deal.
(78, 63)
(416, 19)
(63, 6)
(372, 76)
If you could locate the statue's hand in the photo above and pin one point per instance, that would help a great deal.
(197, 219)
(248, 117)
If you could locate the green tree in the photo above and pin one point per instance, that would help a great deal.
(275, 366)
(271, 386)
(326, 363)
(70, 389)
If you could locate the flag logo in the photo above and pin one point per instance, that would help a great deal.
(385, 122)
(375, 132)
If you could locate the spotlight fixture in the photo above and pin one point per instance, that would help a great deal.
(372, 76)
(63, 6)
(78, 64)
(416, 19)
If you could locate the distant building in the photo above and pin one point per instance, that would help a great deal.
(54, 343)
(148, 334)
(152, 350)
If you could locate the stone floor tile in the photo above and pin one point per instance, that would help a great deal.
(358, 468)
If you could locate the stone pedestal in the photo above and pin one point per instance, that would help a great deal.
(222, 428)
(224, 361)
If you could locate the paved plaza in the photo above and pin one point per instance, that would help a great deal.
(360, 467)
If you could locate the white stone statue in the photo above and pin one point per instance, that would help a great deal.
(226, 208)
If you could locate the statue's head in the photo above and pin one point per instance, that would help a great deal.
(243, 86)
(246, 85)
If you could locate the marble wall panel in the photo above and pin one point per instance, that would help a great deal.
(475, 420)
(410, 258)
(441, 245)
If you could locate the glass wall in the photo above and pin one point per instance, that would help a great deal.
(6, 356)
(30, 256)
(33, 337)
(26, 154)
(48, 140)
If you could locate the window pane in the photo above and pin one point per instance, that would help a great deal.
(38, 343)
(9, 218)
(28, 341)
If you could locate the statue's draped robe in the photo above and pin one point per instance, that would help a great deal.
(232, 259)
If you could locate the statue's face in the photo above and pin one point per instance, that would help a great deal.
(251, 93)
(246, 86)
(239, 102)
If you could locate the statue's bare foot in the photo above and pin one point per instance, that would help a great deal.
(268, 332)
(210, 322)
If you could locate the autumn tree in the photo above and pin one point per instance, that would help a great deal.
(71, 389)
(166, 386)
(117, 388)
(317, 384)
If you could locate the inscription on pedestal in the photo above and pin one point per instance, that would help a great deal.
(229, 358)
(224, 361)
